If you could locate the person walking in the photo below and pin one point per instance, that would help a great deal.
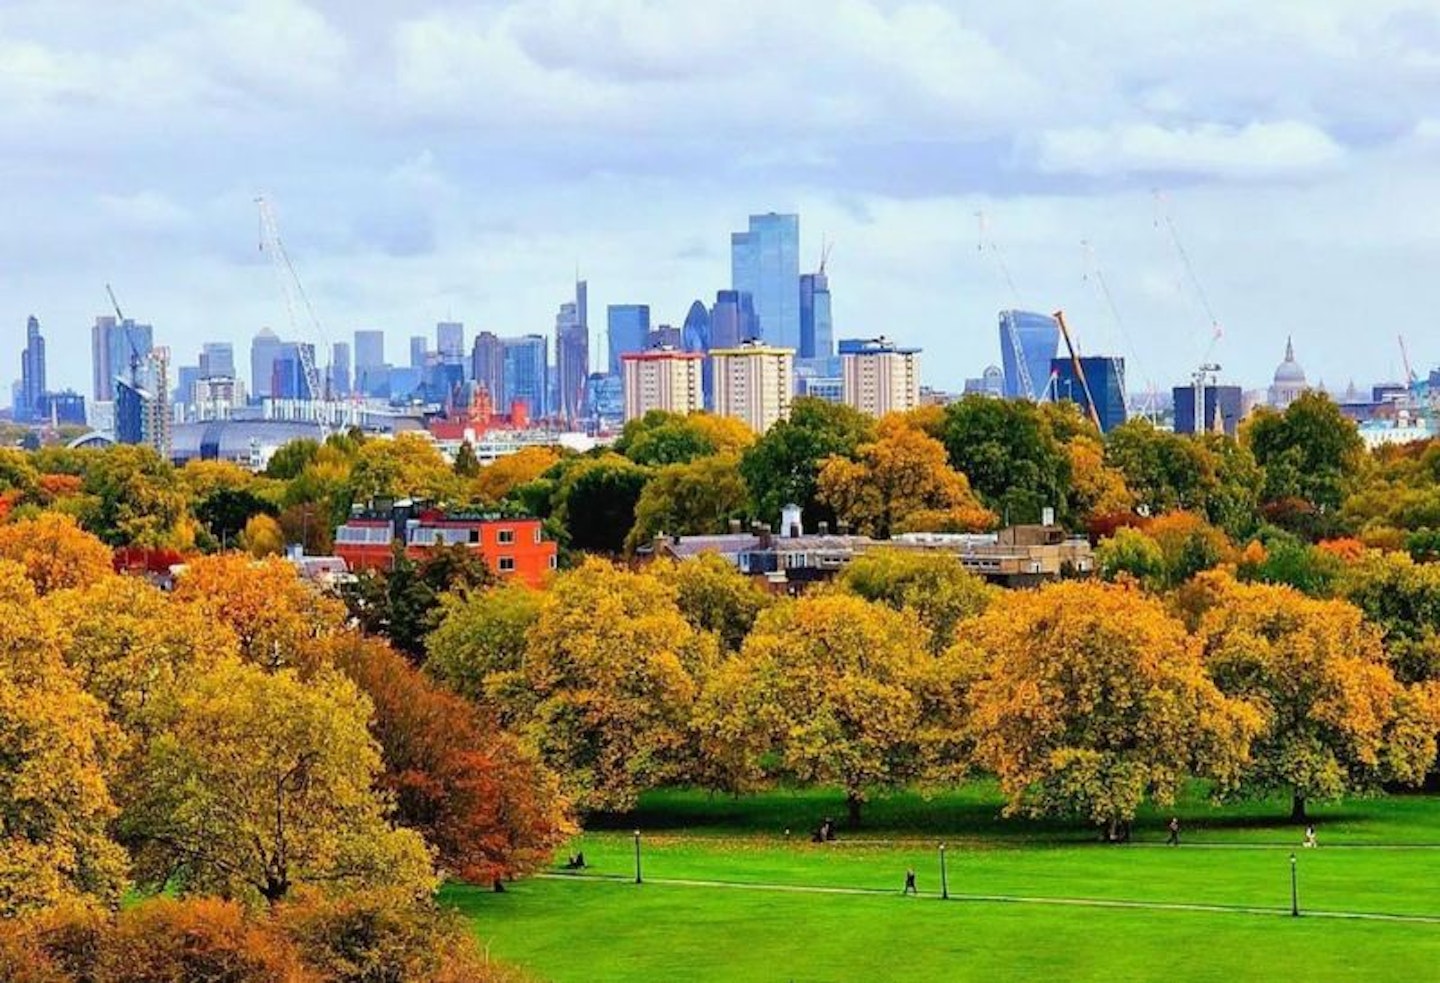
(1174, 828)
(1310, 835)
(910, 883)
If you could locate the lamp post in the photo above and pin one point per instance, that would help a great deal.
(1294, 889)
(638, 879)
(944, 884)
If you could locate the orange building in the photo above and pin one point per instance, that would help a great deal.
(513, 546)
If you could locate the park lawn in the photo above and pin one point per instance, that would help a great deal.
(1377, 856)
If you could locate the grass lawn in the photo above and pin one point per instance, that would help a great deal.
(1377, 857)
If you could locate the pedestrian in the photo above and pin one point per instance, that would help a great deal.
(1310, 835)
(910, 882)
(1174, 828)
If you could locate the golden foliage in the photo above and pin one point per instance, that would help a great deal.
(55, 552)
(496, 481)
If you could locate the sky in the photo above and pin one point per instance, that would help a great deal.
(431, 161)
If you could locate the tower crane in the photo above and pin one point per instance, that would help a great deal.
(1079, 370)
(293, 291)
(125, 324)
(1163, 216)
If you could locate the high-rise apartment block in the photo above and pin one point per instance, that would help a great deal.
(662, 379)
(879, 377)
(765, 263)
(754, 382)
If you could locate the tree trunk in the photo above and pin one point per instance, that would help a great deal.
(1297, 808)
(852, 804)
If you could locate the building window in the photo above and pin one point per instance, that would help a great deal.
(507, 564)
(553, 564)
(537, 536)
(506, 536)
(474, 535)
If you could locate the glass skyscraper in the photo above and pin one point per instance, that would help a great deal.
(627, 326)
(817, 331)
(765, 263)
(1038, 338)
(526, 373)
(1105, 378)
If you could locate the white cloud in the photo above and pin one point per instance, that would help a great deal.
(1255, 150)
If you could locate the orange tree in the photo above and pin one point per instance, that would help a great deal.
(55, 552)
(1086, 698)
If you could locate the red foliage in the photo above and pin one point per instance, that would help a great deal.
(57, 486)
(141, 559)
(1100, 527)
(1347, 549)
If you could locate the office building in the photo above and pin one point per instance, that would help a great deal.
(627, 326)
(526, 374)
(32, 373)
(487, 367)
(217, 358)
(664, 336)
(572, 355)
(185, 378)
(695, 332)
(339, 374)
(879, 377)
(990, 383)
(142, 411)
(1029, 343)
(372, 372)
(816, 329)
(265, 348)
(63, 408)
(287, 378)
(732, 319)
(117, 348)
(1105, 379)
(450, 342)
(1221, 411)
(419, 348)
(662, 379)
(754, 382)
(765, 263)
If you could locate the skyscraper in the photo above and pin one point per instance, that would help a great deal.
(265, 348)
(765, 263)
(527, 373)
(487, 368)
(114, 346)
(450, 342)
(626, 328)
(1037, 338)
(572, 355)
(102, 372)
(372, 375)
(419, 348)
(732, 319)
(32, 372)
(695, 333)
(287, 379)
(217, 360)
(664, 336)
(816, 328)
(340, 369)
(1105, 379)
(879, 377)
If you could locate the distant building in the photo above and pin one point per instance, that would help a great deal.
(605, 397)
(513, 546)
(450, 341)
(114, 346)
(826, 387)
(627, 328)
(287, 373)
(1222, 411)
(265, 348)
(572, 355)
(142, 412)
(372, 372)
(765, 263)
(487, 367)
(63, 408)
(732, 319)
(32, 374)
(1105, 378)
(816, 327)
(879, 377)
(990, 383)
(664, 336)
(662, 379)
(527, 374)
(339, 375)
(217, 358)
(1289, 381)
(1031, 340)
(419, 348)
(754, 382)
(695, 332)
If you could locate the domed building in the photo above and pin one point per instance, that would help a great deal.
(1289, 380)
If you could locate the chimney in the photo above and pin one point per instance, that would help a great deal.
(842, 527)
(824, 528)
(1047, 516)
(765, 535)
(735, 527)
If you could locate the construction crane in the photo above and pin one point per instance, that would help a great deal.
(1022, 368)
(293, 290)
(1079, 370)
(125, 326)
(1094, 274)
(1410, 377)
(1163, 216)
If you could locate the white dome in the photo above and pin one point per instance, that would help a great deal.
(1289, 373)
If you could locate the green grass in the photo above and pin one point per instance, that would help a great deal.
(1373, 859)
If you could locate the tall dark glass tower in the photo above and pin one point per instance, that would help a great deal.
(765, 263)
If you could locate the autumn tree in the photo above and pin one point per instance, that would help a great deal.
(55, 552)
(487, 806)
(933, 589)
(1310, 451)
(478, 642)
(262, 536)
(783, 465)
(1010, 454)
(1096, 488)
(292, 458)
(467, 464)
(822, 691)
(138, 499)
(264, 782)
(409, 466)
(1085, 699)
(713, 596)
(610, 673)
(1402, 599)
(1333, 719)
(900, 482)
(494, 482)
(225, 512)
(691, 498)
(1131, 554)
(402, 603)
(58, 748)
(1188, 544)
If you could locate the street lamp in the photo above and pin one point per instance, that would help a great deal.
(638, 879)
(944, 884)
(1294, 890)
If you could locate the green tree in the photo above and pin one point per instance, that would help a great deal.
(139, 500)
(1010, 454)
(783, 466)
(595, 501)
(1310, 451)
(478, 643)
(290, 459)
(402, 603)
(225, 511)
(1402, 598)
(660, 437)
(934, 589)
(700, 496)
(467, 465)
(1131, 553)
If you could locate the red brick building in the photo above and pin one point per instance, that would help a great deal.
(512, 546)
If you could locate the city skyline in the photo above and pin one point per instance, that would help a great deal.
(454, 165)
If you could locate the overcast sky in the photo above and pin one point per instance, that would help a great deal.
(461, 160)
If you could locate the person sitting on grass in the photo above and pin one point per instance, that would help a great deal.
(1310, 836)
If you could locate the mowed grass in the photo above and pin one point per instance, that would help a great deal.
(1377, 857)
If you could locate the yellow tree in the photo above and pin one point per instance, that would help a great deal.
(1333, 718)
(608, 679)
(55, 552)
(265, 782)
(823, 690)
(1096, 488)
(274, 614)
(54, 804)
(263, 536)
(934, 589)
(716, 597)
(698, 496)
(727, 434)
(1086, 698)
(478, 645)
(901, 481)
(498, 480)
(408, 466)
